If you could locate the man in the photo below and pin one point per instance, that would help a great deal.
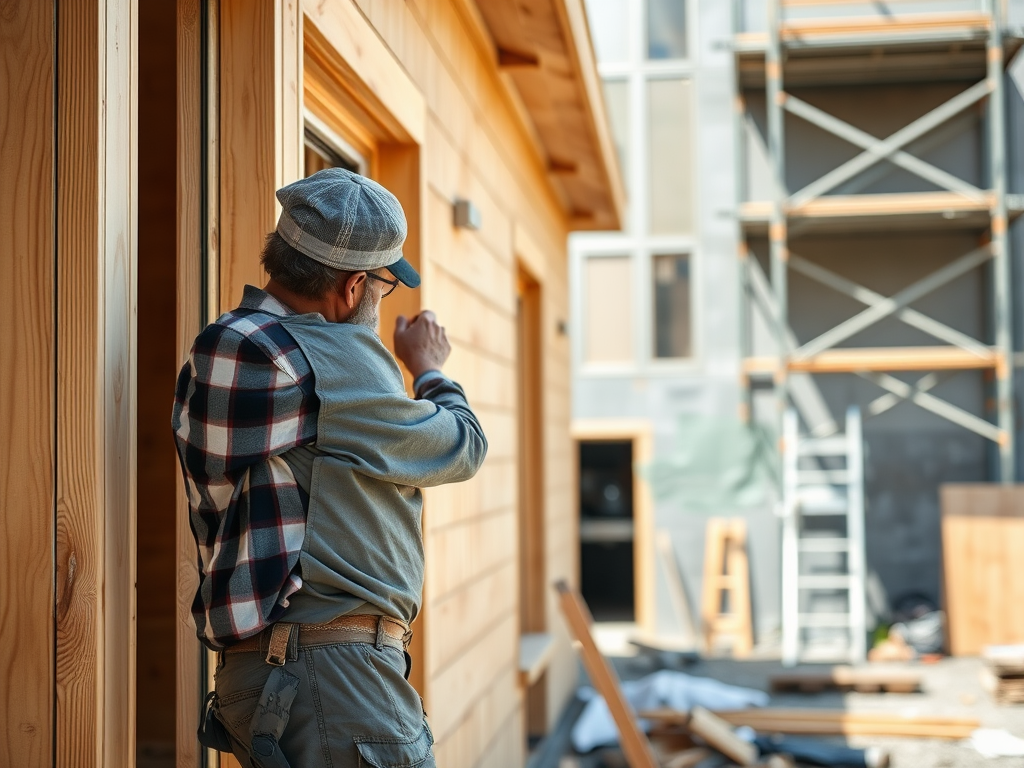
(303, 458)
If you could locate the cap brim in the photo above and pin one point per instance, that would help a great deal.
(405, 273)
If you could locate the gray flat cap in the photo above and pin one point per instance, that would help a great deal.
(347, 222)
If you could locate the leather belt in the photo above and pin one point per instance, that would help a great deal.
(283, 640)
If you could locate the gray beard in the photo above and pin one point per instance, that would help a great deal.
(366, 314)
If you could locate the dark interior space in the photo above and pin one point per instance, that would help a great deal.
(606, 529)
(157, 369)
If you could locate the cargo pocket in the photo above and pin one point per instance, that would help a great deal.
(236, 709)
(389, 753)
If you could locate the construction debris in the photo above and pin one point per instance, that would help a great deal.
(863, 680)
(718, 734)
(1003, 675)
(665, 689)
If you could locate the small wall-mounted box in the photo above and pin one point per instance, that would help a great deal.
(467, 215)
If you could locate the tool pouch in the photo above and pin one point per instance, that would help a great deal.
(212, 733)
(270, 718)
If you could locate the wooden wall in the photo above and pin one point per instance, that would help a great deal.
(474, 148)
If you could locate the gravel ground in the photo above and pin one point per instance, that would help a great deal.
(951, 687)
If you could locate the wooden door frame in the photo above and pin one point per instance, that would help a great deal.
(640, 433)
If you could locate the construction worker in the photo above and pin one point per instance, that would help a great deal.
(303, 457)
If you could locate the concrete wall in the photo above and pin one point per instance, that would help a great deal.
(707, 385)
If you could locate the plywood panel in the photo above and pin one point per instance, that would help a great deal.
(982, 548)
(26, 367)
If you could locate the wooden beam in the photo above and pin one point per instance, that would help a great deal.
(96, 401)
(27, 444)
(260, 130)
(367, 67)
(511, 58)
(917, 23)
(717, 733)
(878, 359)
(633, 741)
(833, 722)
(898, 204)
(190, 301)
(866, 679)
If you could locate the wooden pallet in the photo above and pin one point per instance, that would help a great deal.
(844, 678)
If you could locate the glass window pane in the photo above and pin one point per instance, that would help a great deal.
(608, 293)
(666, 29)
(616, 99)
(609, 29)
(672, 329)
(669, 172)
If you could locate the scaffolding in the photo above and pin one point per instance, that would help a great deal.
(801, 48)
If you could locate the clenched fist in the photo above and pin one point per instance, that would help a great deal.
(421, 344)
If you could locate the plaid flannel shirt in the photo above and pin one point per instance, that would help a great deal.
(244, 397)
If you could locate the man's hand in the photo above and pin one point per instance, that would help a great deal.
(421, 344)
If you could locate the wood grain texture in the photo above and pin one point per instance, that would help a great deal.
(249, 163)
(982, 548)
(27, 449)
(188, 316)
(96, 365)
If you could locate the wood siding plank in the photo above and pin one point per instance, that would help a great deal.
(96, 395)
(27, 449)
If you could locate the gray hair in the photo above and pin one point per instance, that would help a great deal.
(296, 271)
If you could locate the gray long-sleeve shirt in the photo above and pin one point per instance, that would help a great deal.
(375, 448)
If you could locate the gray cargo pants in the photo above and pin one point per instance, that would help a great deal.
(353, 707)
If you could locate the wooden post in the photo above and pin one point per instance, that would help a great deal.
(27, 445)
(96, 218)
(260, 130)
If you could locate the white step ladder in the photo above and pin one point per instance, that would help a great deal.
(823, 569)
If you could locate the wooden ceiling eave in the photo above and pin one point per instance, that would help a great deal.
(543, 52)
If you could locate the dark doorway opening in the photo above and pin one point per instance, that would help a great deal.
(606, 529)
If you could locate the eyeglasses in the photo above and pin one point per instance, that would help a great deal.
(392, 283)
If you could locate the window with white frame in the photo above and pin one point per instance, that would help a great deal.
(643, 49)
(670, 302)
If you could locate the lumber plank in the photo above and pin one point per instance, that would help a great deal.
(845, 677)
(634, 743)
(935, 358)
(27, 445)
(833, 722)
(717, 733)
